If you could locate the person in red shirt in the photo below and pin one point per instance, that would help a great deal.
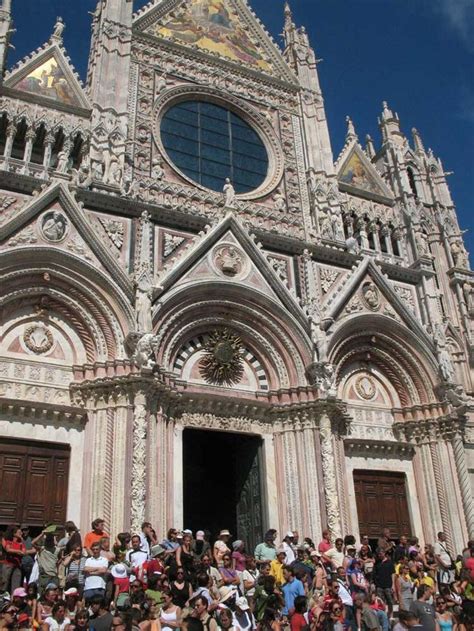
(469, 564)
(325, 544)
(95, 535)
(155, 566)
(298, 619)
(15, 550)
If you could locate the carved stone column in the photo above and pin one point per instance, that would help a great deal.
(139, 462)
(30, 138)
(11, 133)
(443, 507)
(329, 474)
(385, 232)
(464, 482)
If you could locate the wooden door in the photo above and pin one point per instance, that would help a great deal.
(33, 482)
(381, 499)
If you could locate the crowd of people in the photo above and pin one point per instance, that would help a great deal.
(60, 581)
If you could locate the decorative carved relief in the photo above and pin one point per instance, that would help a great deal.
(280, 266)
(371, 296)
(53, 226)
(365, 387)
(38, 339)
(327, 278)
(115, 231)
(222, 361)
(171, 242)
(229, 260)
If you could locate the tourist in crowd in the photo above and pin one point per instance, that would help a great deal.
(288, 546)
(221, 547)
(156, 590)
(95, 535)
(325, 543)
(266, 551)
(14, 549)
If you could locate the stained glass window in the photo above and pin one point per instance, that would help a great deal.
(209, 143)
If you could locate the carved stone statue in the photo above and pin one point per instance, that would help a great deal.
(114, 176)
(279, 201)
(229, 194)
(59, 28)
(445, 364)
(457, 397)
(144, 355)
(157, 169)
(459, 253)
(421, 243)
(63, 161)
(54, 226)
(97, 171)
(143, 304)
(467, 291)
(352, 245)
(161, 83)
(323, 376)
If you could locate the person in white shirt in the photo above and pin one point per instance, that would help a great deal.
(444, 561)
(94, 570)
(136, 558)
(57, 621)
(335, 556)
(287, 545)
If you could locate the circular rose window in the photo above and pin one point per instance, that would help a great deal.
(209, 143)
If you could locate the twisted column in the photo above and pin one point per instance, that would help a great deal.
(464, 482)
(443, 507)
(328, 457)
(138, 477)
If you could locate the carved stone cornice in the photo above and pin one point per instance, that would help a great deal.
(40, 412)
(378, 449)
(431, 430)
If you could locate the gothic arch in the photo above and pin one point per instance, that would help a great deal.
(277, 341)
(405, 361)
(72, 296)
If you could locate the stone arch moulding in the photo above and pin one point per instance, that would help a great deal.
(405, 361)
(92, 304)
(282, 347)
(276, 158)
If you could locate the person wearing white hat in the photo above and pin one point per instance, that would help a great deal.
(221, 547)
(243, 618)
(287, 545)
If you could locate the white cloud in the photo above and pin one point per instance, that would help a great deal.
(460, 16)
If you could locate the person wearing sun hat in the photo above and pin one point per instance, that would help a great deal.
(221, 547)
(242, 617)
(121, 580)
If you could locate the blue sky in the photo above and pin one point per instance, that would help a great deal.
(416, 54)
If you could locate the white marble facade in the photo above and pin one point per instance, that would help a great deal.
(346, 281)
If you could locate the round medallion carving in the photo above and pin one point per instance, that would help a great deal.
(371, 296)
(365, 388)
(229, 260)
(38, 339)
(54, 226)
(222, 361)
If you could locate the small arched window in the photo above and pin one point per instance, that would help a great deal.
(412, 182)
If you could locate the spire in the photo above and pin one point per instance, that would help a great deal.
(5, 32)
(351, 132)
(369, 147)
(389, 124)
(289, 30)
(417, 141)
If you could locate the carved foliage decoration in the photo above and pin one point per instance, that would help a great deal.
(222, 363)
(38, 339)
(115, 231)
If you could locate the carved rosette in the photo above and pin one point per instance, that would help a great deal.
(328, 457)
(38, 339)
(138, 479)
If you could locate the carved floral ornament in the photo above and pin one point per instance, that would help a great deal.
(251, 116)
(38, 339)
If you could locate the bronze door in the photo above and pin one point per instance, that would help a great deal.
(249, 498)
(33, 482)
(381, 499)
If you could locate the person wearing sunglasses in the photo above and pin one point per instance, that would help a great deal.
(444, 617)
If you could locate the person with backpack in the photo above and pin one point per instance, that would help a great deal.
(444, 560)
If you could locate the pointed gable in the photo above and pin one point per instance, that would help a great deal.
(228, 254)
(55, 220)
(223, 28)
(356, 174)
(49, 75)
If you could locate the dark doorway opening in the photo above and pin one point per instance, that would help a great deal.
(381, 498)
(223, 484)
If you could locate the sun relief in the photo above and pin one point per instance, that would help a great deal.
(213, 26)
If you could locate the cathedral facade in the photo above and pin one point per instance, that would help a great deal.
(208, 320)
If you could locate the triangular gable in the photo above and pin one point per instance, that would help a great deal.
(49, 75)
(259, 275)
(356, 174)
(85, 240)
(226, 28)
(355, 298)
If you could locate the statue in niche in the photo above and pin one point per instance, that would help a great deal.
(279, 201)
(143, 305)
(459, 253)
(229, 194)
(157, 169)
(63, 161)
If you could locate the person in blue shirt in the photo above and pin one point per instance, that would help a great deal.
(292, 587)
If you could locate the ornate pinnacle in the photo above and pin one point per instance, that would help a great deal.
(351, 132)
